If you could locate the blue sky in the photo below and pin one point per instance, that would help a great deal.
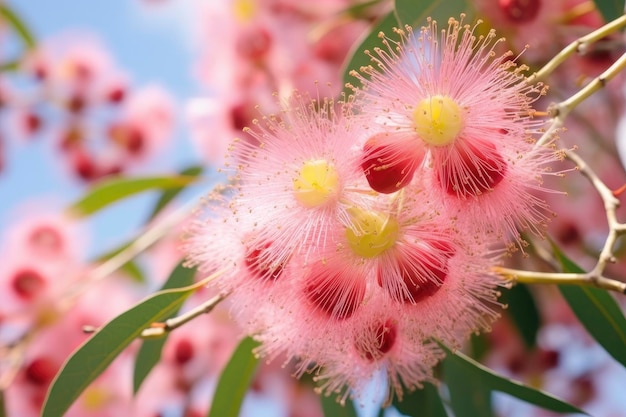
(151, 46)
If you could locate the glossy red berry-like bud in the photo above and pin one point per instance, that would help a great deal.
(520, 11)
(378, 340)
(474, 171)
(385, 166)
(334, 293)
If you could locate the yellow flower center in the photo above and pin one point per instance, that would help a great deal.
(95, 398)
(438, 120)
(371, 232)
(244, 10)
(316, 184)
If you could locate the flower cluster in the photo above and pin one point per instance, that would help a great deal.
(360, 234)
(76, 97)
(267, 46)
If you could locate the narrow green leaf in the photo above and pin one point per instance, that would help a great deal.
(113, 190)
(597, 310)
(479, 345)
(93, 356)
(360, 10)
(10, 66)
(471, 372)
(132, 269)
(3, 406)
(415, 12)
(234, 381)
(181, 276)
(168, 195)
(470, 395)
(610, 9)
(18, 25)
(332, 408)
(358, 57)
(425, 402)
(149, 352)
(523, 311)
(148, 355)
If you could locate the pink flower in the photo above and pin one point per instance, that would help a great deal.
(42, 258)
(47, 236)
(55, 340)
(447, 109)
(298, 177)
(147, 123)
(389, 282)
(76, 69)
(318, 265)
(251, 49)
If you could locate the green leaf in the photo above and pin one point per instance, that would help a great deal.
(425, 402)
(234, 381)
(597, 310)
(523, 312)
(470, 395)
(479, 345)
(148, 355)
(18, 25)
(361, 10)
(112, 190)
(132, 269)
(168, 195)
(415, 12)
(149, 352)
(93, 356)
(463, 370)
(610, 9)
(358, 57)
(10, 66)
(332, 408)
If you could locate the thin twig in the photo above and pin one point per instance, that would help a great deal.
(611, 203)
(587, 279)
(561, 110)
(595, 277)
(152, 234)
(13, 358)
(580, 45)
(162, 328)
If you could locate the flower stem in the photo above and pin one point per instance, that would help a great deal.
(588, 279)
(162, 328)
(561, 110)
(579, 46)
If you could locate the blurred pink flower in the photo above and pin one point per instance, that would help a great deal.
(54, 342)
(76, 69)
(45, 235)
(542, 27)
(250, 49)
(146, 124)
(42, 252)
